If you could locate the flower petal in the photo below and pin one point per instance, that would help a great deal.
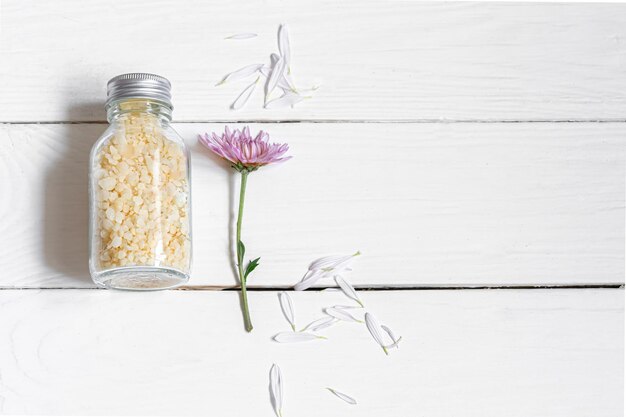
(331, 262)
(295, 337)
(374, 329)
(348, 289)
(285, 83)
(287, 307)
(340, 307)
(320, 324)
(289, 99)
(343, 396)
(238, 36)
(341, 315)
(309, 279)
(283, 44)
(244, 96)
(395, 344)
(396, 340)
(241, 73)
(276, 389)
(276, 73)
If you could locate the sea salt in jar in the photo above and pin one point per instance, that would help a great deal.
(139, 190)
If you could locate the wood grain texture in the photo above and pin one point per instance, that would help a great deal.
(392, 60)
(476, 353)
(427, 204)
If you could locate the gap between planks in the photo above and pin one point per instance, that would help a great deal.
(338, 121)
(360, 288)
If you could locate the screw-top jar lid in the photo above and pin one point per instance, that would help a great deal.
(139, 85)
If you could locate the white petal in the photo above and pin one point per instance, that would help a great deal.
(340, 307)
(374, 329)
(320, 324)
(244, 96)
(287, 306)
(343, 396)
(238, 36)
(389, 332)
(348, 290)
(309, 279)
(326, 262)
(283, 45)
(287, 100)
(395, 344)
(324, 267)
(309, 90)
(275, 75)
(265, 70)
(341, 314)
(241, 73)
(331, 262)
(286, 84)
(325, 324)
(393, 337)
(276, 389)
(295, 337)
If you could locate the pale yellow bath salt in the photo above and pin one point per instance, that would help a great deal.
(142, 198)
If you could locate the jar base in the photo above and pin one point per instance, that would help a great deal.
(140, 278)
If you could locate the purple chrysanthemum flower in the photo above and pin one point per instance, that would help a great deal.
(244, 151)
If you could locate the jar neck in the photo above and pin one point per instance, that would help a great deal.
(139, 107)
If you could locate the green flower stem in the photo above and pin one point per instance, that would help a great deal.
(242, 279)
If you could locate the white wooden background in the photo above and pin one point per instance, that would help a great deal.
(456, 145)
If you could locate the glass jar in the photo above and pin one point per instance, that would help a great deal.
(139, 190)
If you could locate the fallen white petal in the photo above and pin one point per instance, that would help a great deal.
(340, 307)
(395, 344)
(265, 70)
(320, 324)
(326, 262)
(287, 100)
(287, 307)
(309, 279)
(283, 84)
(324, 267)
(244, 96)
(276, 389)
(275, 75)
(283, 45)
(343, 396)
(331, 262)
(393, 337)
(341, 315)
(238, 36)
(374, 329)
(241, 73)
(295, 337)
(348, 290)
(309, 90)
(287, 81)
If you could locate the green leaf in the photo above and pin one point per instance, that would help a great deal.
(251, 267)
(241, 250)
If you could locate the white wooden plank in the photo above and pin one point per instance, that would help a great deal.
(427, 204)
(473, 353)
(374, 60)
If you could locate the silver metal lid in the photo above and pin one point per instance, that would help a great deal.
(139, 85)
